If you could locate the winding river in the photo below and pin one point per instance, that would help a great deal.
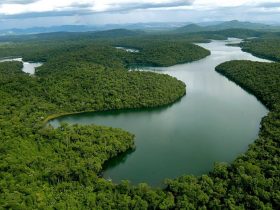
(214, 122)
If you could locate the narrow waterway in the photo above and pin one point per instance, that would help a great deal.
(128, 49)
(214, 122)
(28, 67)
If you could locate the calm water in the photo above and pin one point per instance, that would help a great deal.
(27, 66)
(215, 121)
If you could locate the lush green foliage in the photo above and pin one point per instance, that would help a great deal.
(261, 79)
(224, 34)
(229, 25)
(152, 52)
(58, 168)
(266, 48)
(163, 53)
(99, 88)
(46, 168)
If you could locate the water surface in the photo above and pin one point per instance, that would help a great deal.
(28, 67)
(214, 122)
(128, 49)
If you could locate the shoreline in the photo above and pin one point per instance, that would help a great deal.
(63, 114)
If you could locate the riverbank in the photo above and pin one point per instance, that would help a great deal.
(198, 124)
(65, 114)
(28, 67)
(59, 168)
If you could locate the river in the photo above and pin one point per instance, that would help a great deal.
(28, 67)
(214, 122)
(128, 49)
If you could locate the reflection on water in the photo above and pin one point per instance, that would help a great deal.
(215, 121)
(27, 66)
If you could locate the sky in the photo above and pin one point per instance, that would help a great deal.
(30, 13)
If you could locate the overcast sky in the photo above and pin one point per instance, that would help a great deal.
(29, 13)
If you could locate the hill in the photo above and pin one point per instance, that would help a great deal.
(234, 24)
(190, 28)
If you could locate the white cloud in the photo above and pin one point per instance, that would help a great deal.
(38, 6)
(13, 12)
(229, 3)
(19, 7)
(15, 7)
(216, 4)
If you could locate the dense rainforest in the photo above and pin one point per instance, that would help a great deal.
(152, 51)
(46, 168)
(267, 47)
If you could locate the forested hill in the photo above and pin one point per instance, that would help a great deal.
(234, 24)
(190, 33)
(152, 52)
(75, 36)
(267, 47)
(261, 79)
(45, 168)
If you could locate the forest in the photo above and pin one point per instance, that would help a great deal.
(266, 47)
(46, 168)
(152, 52)
(39, 163)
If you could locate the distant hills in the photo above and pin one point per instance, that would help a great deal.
(86, 28)
(179, 27)
(191, 28)
(234, 24)
(115, 33)
(52, 29)
(107, 34)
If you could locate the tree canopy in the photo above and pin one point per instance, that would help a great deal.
(46, 168)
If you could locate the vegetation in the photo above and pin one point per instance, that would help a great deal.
(163, 53)
(261, 79)
(42, 167)
(46, 168)
(152, 52)
(234, 24)
(252, 180)
(268, 47)
(223, 34)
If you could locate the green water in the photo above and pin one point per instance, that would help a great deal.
(215, 121)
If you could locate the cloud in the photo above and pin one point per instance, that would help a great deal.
(17, 1)
(138, 5)
(45, 12)
(270, 5)
(17, 8)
